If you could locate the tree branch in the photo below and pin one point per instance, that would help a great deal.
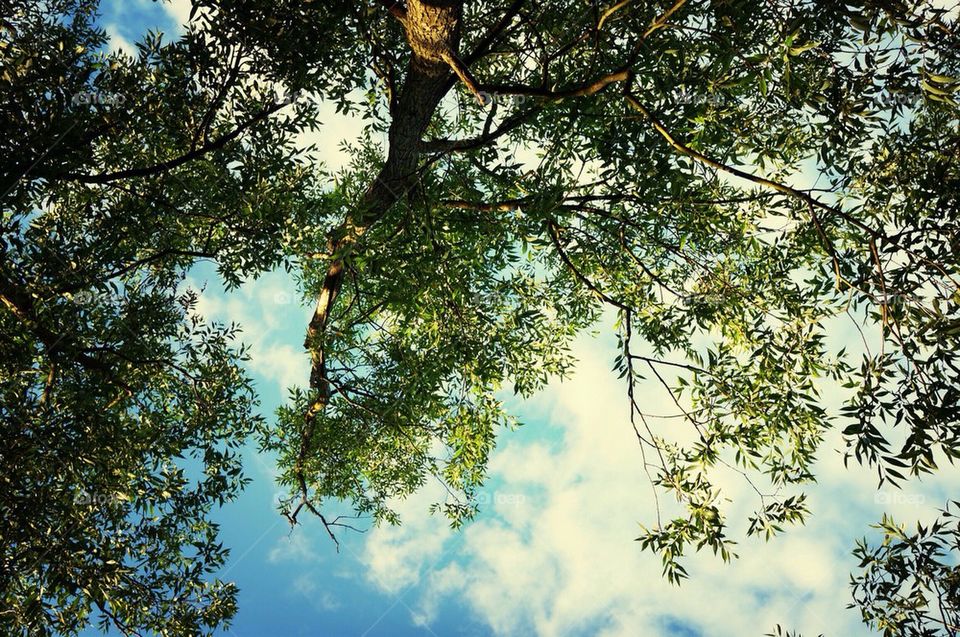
(553, 231)
(396, 9)
(779, 187)
(578, 90)
(509, 124)
(146, 171)
(462, 72)
(520, 117)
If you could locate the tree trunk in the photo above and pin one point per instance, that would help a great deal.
(432, 29)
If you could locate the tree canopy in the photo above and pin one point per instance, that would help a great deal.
(732, 182)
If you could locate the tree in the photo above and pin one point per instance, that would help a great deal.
(671, 189)
(122, 411)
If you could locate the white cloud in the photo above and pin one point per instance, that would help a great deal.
(118, 43)
(179, 10)
(397, 557)
(333, 131)
(306, 586)
(562, 560)
(284, 364)
(272, 319)
(293, 547)
(326, 601)
(952, 7)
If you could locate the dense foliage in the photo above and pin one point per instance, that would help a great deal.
(122, 410)
(733, 182)
(910, 583)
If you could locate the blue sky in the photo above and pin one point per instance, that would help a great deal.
(552, 552)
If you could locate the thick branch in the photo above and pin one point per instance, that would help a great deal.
(517, 119)
(579, 90)
(433, 33)
(511, 123)
(462, 72)
(493, 34)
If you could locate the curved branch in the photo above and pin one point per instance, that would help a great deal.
(517, 119)
(578, 90)
(147, 171)
(553, 231)
(713, 163)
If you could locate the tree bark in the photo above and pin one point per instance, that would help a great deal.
(432, 29)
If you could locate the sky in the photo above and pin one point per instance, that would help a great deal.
(553, 552)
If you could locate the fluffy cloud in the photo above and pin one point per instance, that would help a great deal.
(335, 130)
(323, 601)
(118, 43)
(554, 554)
(178, 10)
(273, 321)
(295, 547)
